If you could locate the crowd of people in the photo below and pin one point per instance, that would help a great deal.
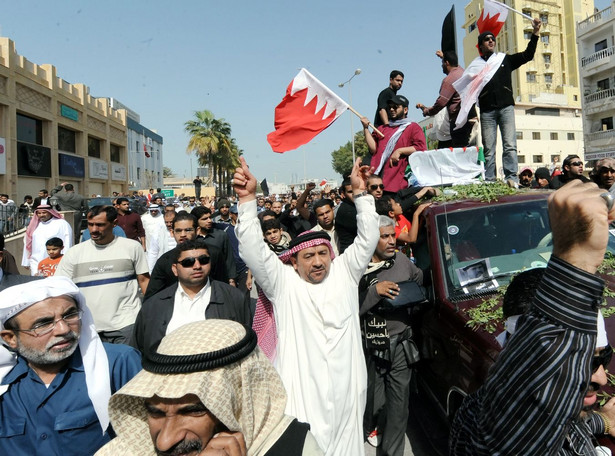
(273, 325)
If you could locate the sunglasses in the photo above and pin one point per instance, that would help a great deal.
(576, 164)
(376, 186)
(602, 359)
(489, 38)
(189, 262)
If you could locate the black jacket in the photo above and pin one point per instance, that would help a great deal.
(226, 303)
(498, 92)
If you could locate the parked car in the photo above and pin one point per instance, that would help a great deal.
(470, 248)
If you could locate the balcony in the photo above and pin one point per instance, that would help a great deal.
(594, 20)
(601, 138)
(600, 95)
(597, 56)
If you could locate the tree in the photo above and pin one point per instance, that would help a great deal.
(341, 159)
(167, 172)
(211, 141)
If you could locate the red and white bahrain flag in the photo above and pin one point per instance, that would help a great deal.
(492, 17)
(308, 108)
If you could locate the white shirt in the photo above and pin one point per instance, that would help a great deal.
(54, 227)
(187, 310)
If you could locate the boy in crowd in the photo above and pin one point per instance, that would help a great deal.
(276, 239)
(47, 267)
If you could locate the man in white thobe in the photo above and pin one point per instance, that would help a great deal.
(45, 224)
(315, 302)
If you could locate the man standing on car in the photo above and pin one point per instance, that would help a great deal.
(554, 362)
(71, 201)
(387, 337)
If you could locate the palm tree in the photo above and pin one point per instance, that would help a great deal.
(211, 141)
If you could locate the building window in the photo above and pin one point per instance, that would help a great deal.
(137, 147)
(535, 135)
(547, 58)
(66, 140)
(553, 157)
(29, 130)
(527, 34)
(607, 123)
(537, 158)
(139, 174)
(603, 84)
(471, 27)
(600, 45)
(531, 77)
(116, 155)
(544, 18)
(519, 135)
(554, 136)
(548, 78)
(521, 159)
(575, 97)
(93, 147)
(544, 38)
(570, 136)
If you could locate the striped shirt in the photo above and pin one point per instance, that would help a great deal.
(531, 402)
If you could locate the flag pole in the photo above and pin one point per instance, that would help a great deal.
(510, 8)
(370, 124)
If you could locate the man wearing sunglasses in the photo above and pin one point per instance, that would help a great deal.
(572, 168)
(57, 376)
(553, 364)
(194, 298)
(491, 76)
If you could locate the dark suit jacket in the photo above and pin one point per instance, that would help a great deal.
(226, 303)
(8, 280)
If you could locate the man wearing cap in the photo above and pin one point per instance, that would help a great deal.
(193, 297)
(208, 390)
(572, 169)
(223, 216)
(555, 361)
(56, 375)
(45, 224)
(525, 177)
(389, 154)
(319, 354)
(490, 75)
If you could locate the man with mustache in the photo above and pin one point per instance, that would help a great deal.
(56, 376)
(553, 364)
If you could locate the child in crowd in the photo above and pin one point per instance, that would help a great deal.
(47, 267)
(276, 239)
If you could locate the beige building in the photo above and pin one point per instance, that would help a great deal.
(547, 89)
(52, 131)
(595, 36)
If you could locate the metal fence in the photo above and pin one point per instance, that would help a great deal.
(13, 219)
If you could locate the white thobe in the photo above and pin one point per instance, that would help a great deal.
(319, 354)
(54, 227)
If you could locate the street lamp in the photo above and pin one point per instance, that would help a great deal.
(342, 84)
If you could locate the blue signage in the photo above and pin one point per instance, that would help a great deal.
(71, 165)
(69, 113)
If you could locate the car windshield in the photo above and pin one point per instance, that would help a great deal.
(482, 248)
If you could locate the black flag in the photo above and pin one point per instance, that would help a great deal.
(449, 35)
(265, 187)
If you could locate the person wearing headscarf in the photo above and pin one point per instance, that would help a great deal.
(45, 224)
(318, 352)
(542, 178)
(56, 376)
(211, 375)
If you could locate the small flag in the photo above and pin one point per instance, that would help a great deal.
(324, 182)
(308, 108)
(265, 187)
(492, 17)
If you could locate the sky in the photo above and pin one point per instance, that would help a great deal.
(167, 59)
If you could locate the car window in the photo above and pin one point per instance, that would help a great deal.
(483, 247)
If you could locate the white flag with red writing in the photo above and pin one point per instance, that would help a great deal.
(492, 17)
(308, 108)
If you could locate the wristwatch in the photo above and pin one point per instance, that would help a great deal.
(359, 195)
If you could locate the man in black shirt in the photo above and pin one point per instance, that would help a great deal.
(396, 79)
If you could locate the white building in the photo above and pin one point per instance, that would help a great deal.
(596, 44)
(144, 171)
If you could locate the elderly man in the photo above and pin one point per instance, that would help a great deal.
(554, 362)
(208, 390)
(319, 355)
(391, 351)
(45, 224)
(57, 376)
(109, 270)
(604, 174)
(192, 298)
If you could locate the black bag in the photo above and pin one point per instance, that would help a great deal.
(410, 294)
